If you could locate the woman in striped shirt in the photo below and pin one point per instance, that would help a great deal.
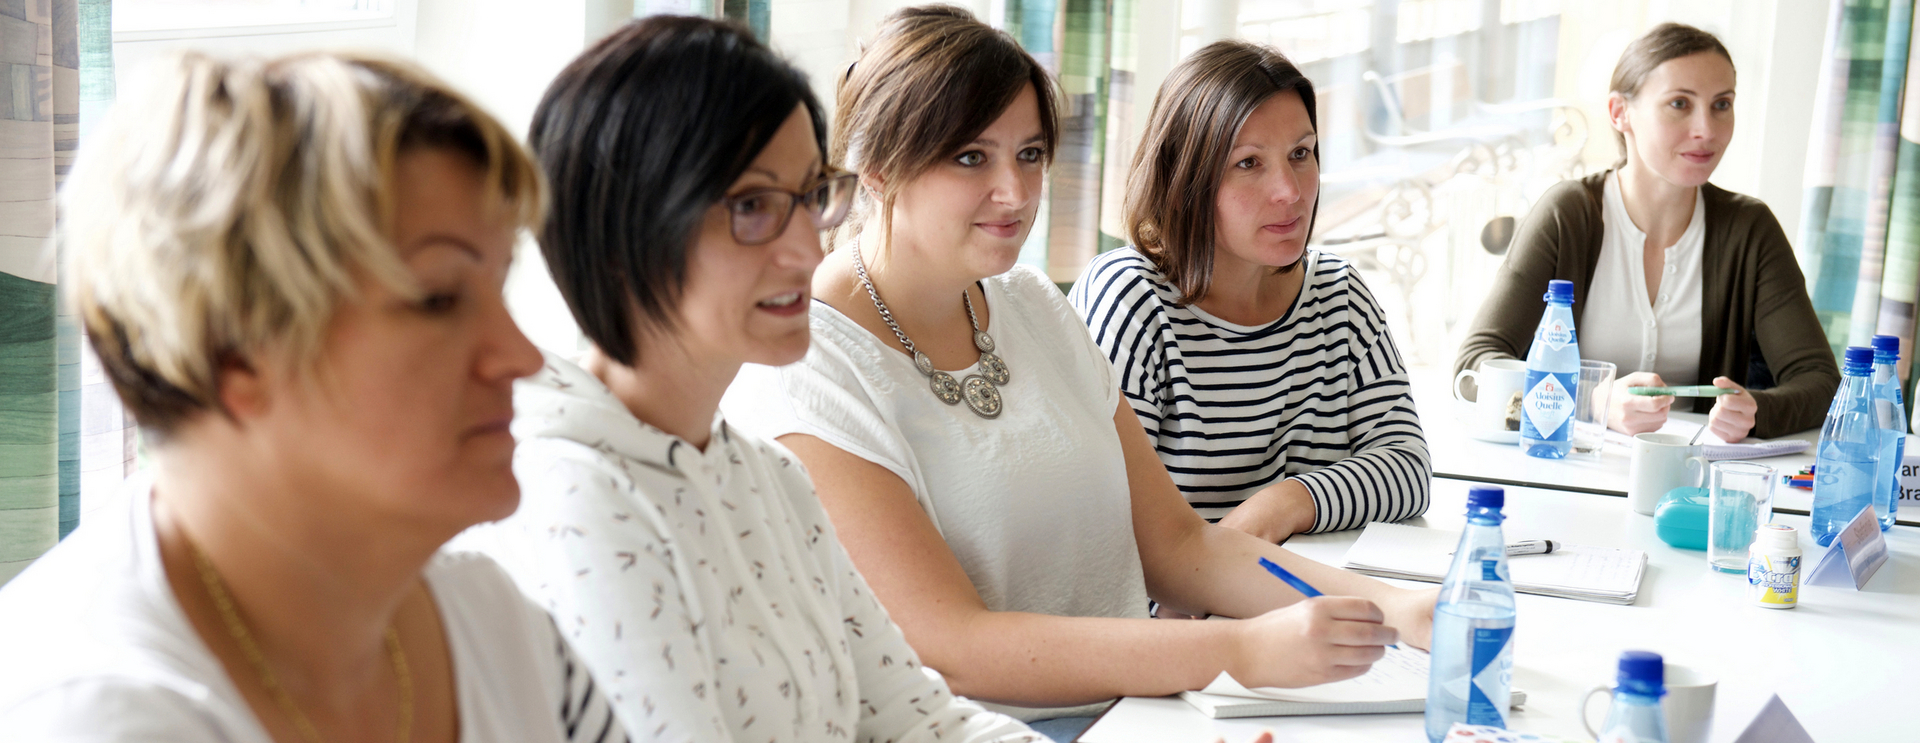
(1263, 370)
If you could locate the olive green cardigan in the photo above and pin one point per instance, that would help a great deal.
(1756, 320)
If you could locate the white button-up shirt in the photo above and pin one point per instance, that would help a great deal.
(1621, 323)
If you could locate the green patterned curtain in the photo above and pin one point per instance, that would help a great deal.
(1033, 23)
(63, 434)
(1865, 316)
(755, 14)
(1073, 229)
(1089, 46)
(1850, 164)
(1123, 62)
(1901, 282)
(39, 131)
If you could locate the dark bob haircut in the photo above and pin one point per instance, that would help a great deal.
(1175, 178)
(639, 136)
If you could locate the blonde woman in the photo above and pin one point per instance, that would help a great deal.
(970, 441)
(291, 270)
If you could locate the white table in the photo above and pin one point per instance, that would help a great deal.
(1458, 455)
(1844, 661)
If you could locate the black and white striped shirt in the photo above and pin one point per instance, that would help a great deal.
(1319, 395)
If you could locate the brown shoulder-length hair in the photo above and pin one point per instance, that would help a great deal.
(1176, 173)
(931, 80)
(1666, 42)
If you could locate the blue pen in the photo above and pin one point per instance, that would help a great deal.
(1294, 580)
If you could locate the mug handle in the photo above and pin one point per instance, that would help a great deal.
(1608, 690)
(1464, 373)
(1697, 469)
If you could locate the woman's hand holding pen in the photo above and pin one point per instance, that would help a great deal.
(1631, 414)
(1315, 641)
(1732, 416)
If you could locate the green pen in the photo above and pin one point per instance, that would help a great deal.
(1698, 390)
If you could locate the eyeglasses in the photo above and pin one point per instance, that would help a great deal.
(760, 215)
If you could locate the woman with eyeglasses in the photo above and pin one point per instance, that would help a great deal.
(691, 564)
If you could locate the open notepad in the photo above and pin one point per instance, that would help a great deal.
(1396, 683)
(1713, 447)
(1573, 571)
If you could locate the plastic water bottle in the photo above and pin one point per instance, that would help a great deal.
(1553, 378)
(1635, 716)
(1471, 678)
(1843, 470)
(1890, 413)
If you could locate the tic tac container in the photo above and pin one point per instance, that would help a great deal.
(1773, 567)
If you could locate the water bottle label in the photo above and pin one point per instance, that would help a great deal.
(1556, 333)
(1547, 406)
(1492, 676)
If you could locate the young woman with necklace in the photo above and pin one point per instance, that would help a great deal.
(1018, 552)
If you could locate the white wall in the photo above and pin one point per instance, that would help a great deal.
(814, 36)
(504, 53)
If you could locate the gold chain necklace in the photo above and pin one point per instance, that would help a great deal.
(237, 629)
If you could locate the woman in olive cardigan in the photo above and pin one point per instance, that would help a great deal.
(1672, 106)
(1757, 324)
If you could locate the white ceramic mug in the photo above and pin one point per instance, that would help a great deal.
(1497, 381)
(1662, 462)
(1688, 705)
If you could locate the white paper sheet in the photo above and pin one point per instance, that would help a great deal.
(1400, 675)
(1573, 571)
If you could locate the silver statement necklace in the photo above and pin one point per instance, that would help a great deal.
(981, 391)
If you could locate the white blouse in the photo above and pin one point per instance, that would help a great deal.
(1620, 323)
(1034, 503)
(706, 589)
(95, 647)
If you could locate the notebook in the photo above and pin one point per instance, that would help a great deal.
(1396, 683)
(1604, 574)
(1713, 448)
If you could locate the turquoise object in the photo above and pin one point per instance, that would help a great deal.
(1681, 518)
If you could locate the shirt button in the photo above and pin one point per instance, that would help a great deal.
(1649, 323)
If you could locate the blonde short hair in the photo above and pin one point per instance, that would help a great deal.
(234, 204)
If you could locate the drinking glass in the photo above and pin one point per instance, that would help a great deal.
(1590, 406)
(1740, 500)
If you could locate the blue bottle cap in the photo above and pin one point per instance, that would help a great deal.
(1486, 496)
(1859, 361)
(1642, 673)
(1886, 349)
(1559, 291)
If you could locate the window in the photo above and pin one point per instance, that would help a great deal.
(141, 20)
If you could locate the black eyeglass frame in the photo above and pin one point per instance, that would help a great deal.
(823, 220)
